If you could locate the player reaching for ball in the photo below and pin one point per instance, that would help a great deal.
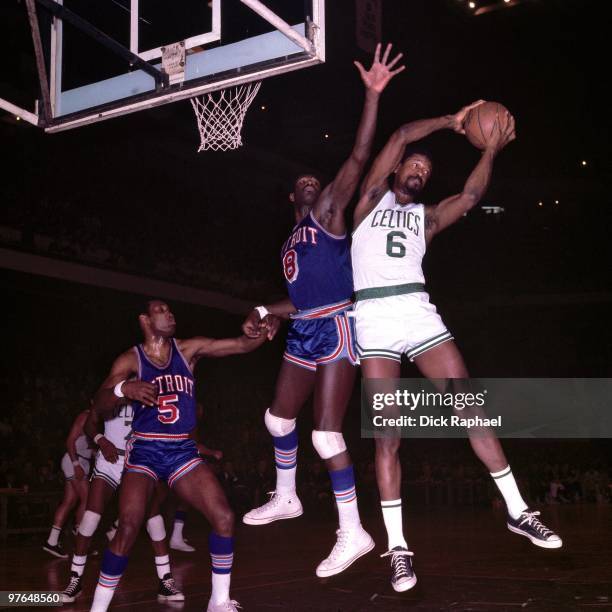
(394, 316)
(320, 355)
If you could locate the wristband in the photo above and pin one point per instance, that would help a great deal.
(117, 390)
(97, 437)
(262, 310)
(75, 463)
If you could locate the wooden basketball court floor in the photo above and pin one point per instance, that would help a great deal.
(465, 559)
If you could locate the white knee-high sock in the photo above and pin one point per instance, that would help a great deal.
(504, 479)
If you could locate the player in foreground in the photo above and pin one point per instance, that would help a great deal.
(163, 399)
(320, 355)
(394, 315)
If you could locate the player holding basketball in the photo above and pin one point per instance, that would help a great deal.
(106, 478)
(163, 399)
(75, 465)
(394, 315)
(320, 355)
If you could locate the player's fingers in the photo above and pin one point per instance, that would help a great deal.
(475, 104)
(362, 70)
(149, 399)
(398, 70)
(377, 54)
(394, 61)
(387, 52)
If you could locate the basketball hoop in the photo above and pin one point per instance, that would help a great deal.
(220, 115)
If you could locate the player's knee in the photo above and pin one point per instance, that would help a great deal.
(328, 443)
(89, 523)
(156, 528)
(126, 535)
(277, 426)
(224, 522)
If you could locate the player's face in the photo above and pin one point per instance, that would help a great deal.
(412, 175)
(162, 320)
(306, 190)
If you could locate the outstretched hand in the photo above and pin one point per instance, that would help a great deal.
(459, 118)
(380, 73)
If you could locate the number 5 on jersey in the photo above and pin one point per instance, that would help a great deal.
(290, 266)
(168, 413)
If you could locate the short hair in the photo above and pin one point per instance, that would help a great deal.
(417, 149)
(146, 306)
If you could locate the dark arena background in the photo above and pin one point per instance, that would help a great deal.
(94, 221)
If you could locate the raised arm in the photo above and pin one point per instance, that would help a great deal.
(330, 207)
(389, 158)
(452, 209)
(117, 389)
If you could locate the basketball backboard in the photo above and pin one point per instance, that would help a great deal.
(107, 58)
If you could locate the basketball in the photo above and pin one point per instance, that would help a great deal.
(482, 122)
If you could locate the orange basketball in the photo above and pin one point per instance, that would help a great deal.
(482, 122)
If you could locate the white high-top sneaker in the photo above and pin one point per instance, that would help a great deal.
(281, 506)
(350, 545)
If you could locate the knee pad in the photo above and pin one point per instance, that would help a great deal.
(156, 528)
(89, 523)
(277, 426)
(328, 443)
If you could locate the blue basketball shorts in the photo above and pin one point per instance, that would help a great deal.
(162, 459)
(319, 341)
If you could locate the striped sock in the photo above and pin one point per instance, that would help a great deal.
(221, 550)
(54, 535)
(507, 486)
(162, 565)
(78, 564)
(343, 484)
(392, 515)
(285, 458)
(112, 569)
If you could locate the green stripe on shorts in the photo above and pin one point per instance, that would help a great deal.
(428, 344)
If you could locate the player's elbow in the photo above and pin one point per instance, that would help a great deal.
(469, 198)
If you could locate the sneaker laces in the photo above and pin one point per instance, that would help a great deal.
(399, 561)
(72, 585)
(535, 523)
(271, 503)
(340, 545)
(170, 585)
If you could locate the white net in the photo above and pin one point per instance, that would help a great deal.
(220, 115)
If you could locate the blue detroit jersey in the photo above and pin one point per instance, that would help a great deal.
(317, 266)
(176, 409)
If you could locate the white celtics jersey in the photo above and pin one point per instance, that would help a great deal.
(119, 429)
(389, 245)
